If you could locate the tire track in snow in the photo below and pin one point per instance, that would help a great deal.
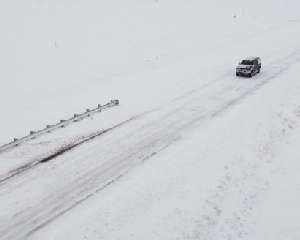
(62, 150)
(145, 139)
(244, 182)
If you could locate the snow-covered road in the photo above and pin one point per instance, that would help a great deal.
(34, 197)
(192, 151)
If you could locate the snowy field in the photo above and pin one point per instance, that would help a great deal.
(192, 152)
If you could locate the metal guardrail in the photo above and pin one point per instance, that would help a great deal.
(60, 124)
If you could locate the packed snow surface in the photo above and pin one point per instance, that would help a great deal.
(192, 152)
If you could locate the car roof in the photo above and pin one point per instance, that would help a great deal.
(251, 58)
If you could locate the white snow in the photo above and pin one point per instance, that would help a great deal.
(200, 154)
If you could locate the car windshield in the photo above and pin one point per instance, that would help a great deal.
(247, 62)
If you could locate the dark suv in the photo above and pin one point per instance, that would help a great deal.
(248, 67)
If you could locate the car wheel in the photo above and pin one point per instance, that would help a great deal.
(250, 75)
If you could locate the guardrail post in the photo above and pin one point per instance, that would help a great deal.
(76, 116)
(115, 101)
(61, 121)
